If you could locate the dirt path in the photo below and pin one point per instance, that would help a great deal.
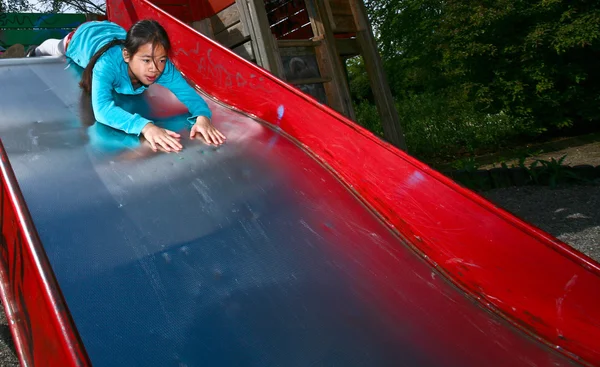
(579, 155)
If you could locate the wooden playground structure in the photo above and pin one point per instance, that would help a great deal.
(304, 42)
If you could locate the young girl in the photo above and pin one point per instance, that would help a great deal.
(128, 63)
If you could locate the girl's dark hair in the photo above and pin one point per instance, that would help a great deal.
(143, 32)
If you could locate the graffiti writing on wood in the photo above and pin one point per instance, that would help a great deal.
(208, 69)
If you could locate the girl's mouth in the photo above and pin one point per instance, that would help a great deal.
(151, 79)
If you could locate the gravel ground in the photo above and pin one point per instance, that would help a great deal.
(7, 353)
(571, 214)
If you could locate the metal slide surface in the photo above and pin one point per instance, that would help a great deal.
(252, 254)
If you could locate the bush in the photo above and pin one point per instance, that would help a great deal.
(441, 127)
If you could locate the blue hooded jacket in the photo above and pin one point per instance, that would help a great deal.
(110, 75)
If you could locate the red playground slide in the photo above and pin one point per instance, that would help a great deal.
(304, 240)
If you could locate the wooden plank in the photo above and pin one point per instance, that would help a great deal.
(344, 24)
(392, 128)
(264, 43)
(297, 51)
(347, 47)
(38, 20)
(225, 19)
(205, 27)
(28, 37)
(340, 7)
(310, 81)
(298, 43)
(245, 50)
(338, 92)
(300, 67)
(232, 36)
(305, 32)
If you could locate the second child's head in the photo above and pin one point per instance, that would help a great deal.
(146, 50)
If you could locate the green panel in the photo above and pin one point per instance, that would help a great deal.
(30, 37)
(40, 20)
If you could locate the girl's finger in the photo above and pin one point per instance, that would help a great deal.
(172, 133)
(152, 144)
(164, 145)
(173, 142)
(211, 137)
(221, 134)
(215, 138)
(206, 137)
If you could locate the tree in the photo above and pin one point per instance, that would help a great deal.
(79, 6)
(528, 65)
(535, 59)
(14, 6)
(54, 6)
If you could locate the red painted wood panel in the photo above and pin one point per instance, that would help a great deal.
(294, 23)
(197, 9)
(289, 19)
(304, 32)
(277, 10)
(182, 13)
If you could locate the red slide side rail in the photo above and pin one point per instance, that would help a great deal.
(533, 280)
(42, 329)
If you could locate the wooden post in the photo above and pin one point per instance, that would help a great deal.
(205, 27)
(254, 14)
(381, 90)
(338, 92)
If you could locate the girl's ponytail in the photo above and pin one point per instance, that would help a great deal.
(86, 77)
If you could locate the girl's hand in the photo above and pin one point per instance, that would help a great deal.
(161, 138)
(206, 130)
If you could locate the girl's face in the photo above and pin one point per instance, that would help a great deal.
(146, 66)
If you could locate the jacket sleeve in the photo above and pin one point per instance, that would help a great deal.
(172, 79)
(103, 102)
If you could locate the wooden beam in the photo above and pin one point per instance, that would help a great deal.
(343, 24)
(286, 52)
(254, 15)
(338, 92)
(309, 81)
(245, 51)
(298, 43)
(205, 27)
(347, 47)
(390, 120)
(340, 7)
(225, 18)
(232, 36)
